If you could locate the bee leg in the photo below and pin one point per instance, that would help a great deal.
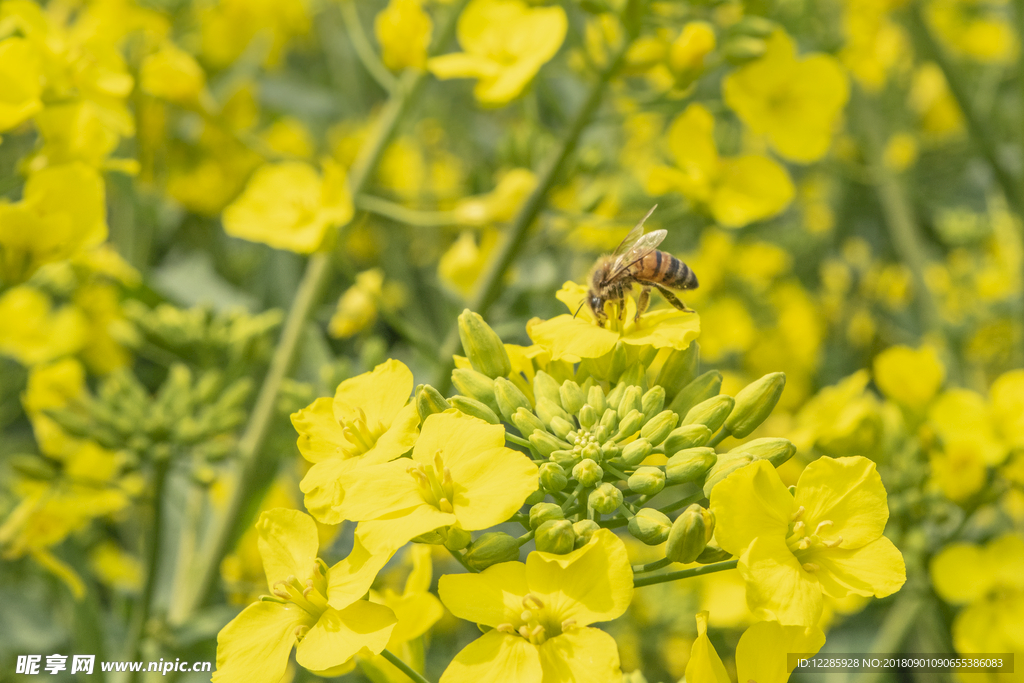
(671, 298)
(642, 302)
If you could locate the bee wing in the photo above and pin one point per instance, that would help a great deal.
(643, 246)
(631, 239)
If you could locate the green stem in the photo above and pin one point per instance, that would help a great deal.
(525, 538)
(572, 497)
(493, 278)
(685, 573)
(317, 272)
(189, 534)
(651, 566)
(403, 214)
(144, 605)
(899, 621)
(718, 438)
(682, 503)
(517, 440)
(364, 51)
(979, 128)
(457, 554)
(403, 667)
(611, 469)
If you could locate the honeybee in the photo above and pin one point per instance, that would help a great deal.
(637, 261)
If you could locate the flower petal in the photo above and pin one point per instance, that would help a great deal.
(288, 544)
(581, 654)
(849, 493)
(254, 646)
(875, 569)
(377, 490)
(571, 339)
(416, 613)
(495, 658)
(593, 583)
(349, 579)
(750, 503)
(705, 666)
(778, 588)
(492, 597)
(379, 394)
(461, 438)
(665, 328)
(339, 634)
(959, 573)
(761, 654)
(398, 439)
(322, 486)
(320, 435)
(387, 533)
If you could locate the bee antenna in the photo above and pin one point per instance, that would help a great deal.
(579, 308)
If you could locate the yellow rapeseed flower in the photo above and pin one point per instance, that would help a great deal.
(540, 613)
(313, 608)
(461, 474)
(403, 31)
(911, 377)
(824, 538)
(290, 206)
(736, 190)
(21, 82)
(795, 102)
(974, 29)
(33, 332)
(358, 305)
(505, 42)
(173, 75)
(368, 421)
(571, 338)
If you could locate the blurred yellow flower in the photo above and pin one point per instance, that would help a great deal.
(795, 102)
(79, 131)
(115, 567)
(959, 469)
(737, 190)
(52, 386)
(505, 42)
(841, 419)
(461, 265)
(289, 206)
(173, 75)
(929, 97)
(687, 53)
(975, 28)
(500, 204)
(20, 82)
(403, 31)
(1007, 394)
(357, 307)
(875, 44)
(911, 377)
(227, 28)
(35, 333)
(289, 136)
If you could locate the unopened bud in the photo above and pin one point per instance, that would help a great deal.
(605, 499)
(470, 406)
(555, 536)
(635, 452)
(458, 538)
(584, 530)
(615, 396)
(572, 396)
(526, 422)
(652, 402)
(679, 370)
(587, 472)
(687, 436)
(775, 450)
(650, 526)
(647, 481)
(565, 458)
(561, 428)
(552, 476)
(491, 548)
(690, 465)
(509, 398)
(545, 386)
(610, 450)
(547, 409)
(629, 425)
(711, 413)
(688, 51)
(588, 416)
(610, 419)
(659, 427)
(690, 534)
(595, 398)
(630, 401)
(547, 443)
(754, 403)
(722, 469)
(429, 401)
(700, 389)
(592, 452)
(713, 553)
(475, 385)
(543, 512)
(483, 347)
(743, 49)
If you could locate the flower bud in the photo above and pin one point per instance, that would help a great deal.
(584, 530)
(547, 409)
(587, 472)
(610, 450)
(711, 413)
(679, 370)
(754, 403)
(635, 452)
(687, 436)
(543, 512)
(629, 425)
(483, 346)
(703, 387)
(659, 427)
(509, 398)
(602, 433)
(561, 428)
(555, 536)
(572, 396)
(475, 385)
(687, 53)
(552, 476)
(588, 416)
(713, 553)
(546, 443)
(595, 398)
(775, 450)
(491, 548)
(566, 459)
(471, 406)
(652, 402)
(647, 481)
(742, 49)
(592, 452)
(690, 465)
(537, 496)
(605, 499)
(526, 422)
(545, 386)
(753, 25)
(458, 538)
(630, 401)
(615, 396)
(636, 375)
(723, 468)
(650, 526)
(690, 534)
(610, 419)
(429, 401)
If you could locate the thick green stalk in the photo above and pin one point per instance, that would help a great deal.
(250, 461)
(144, 605)
(492, 279)
(404, 668)
(651, 566)
(685, 573)
(899, 621)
